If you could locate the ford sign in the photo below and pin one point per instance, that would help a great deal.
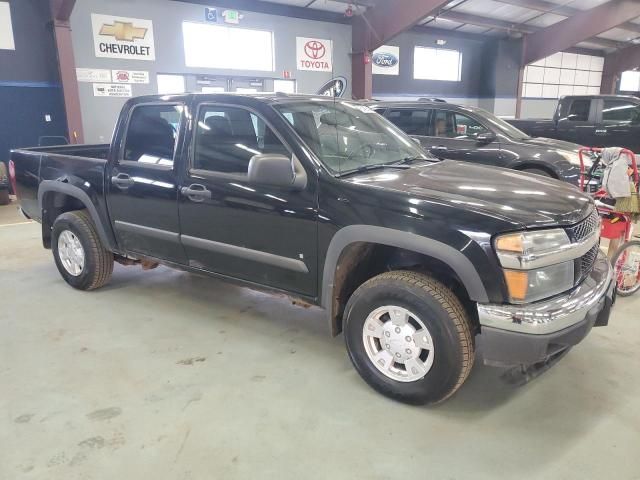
(385, 60)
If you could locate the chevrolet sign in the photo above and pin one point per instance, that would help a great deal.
(121, 37)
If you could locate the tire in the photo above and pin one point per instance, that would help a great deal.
(97, 260)
(626, 292)
(423, 298)
(537, 171)
(4, 197)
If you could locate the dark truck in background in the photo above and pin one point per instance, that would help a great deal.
(591, 120)
(419, 262)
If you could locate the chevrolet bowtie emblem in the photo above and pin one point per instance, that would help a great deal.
(123, 31)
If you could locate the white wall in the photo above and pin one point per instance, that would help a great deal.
(100, 113)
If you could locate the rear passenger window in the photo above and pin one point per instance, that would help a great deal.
(579, 111)
(227, 137)
(619, 111)
(152, 133)
(412, 122)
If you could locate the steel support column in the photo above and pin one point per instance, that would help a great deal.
(617, 62)
(376, 26)
(60, 13)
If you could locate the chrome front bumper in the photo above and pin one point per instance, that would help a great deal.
(550, 316)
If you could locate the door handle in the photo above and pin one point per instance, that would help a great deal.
(601, 131)
(440, 148)
(122, 181)
(196, 192)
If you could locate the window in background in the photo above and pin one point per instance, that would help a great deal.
(6, 30)
(170, 84)
(437, 64)
(619, 111)
(284, 86)
(579, 111)
(215, 46)
(630, 81)
(412, 122)
(563, 74)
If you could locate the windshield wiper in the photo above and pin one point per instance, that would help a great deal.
(409, 160)
(375, 166)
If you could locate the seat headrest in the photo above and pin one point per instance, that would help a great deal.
(218, 125)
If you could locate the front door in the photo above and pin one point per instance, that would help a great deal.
(453, 135)
(263, 234)
(576, 122)
(142, 189)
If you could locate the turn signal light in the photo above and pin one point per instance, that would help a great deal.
(517, 284)
(510, 243)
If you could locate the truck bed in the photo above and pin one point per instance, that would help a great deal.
(34, 165)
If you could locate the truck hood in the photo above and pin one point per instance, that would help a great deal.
(519, 198)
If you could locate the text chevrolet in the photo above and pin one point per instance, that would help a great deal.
(417, 261)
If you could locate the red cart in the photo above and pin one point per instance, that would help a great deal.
(617, 226)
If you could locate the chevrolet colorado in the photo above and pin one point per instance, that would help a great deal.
(418, 262)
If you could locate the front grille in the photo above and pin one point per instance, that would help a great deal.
(579, 232)
(586, 263)
(585, 228)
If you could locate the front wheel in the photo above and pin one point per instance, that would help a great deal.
(626, 267)
(409, 337)
(80, 256)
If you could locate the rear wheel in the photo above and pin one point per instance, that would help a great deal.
(409, 337)
(81, 258)
(626, 266)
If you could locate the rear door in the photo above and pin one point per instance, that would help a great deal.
(620, 125)
(230, 226)
(453, 135)
(141, 181)
(577, 121)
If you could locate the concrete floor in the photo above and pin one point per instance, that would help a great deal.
(167, 375)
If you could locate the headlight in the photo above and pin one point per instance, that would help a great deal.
(530, 285)
(535, 263)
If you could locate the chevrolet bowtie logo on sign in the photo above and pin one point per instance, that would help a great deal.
(121, 37)
(123, 31)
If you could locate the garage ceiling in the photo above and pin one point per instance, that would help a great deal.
(501, 17)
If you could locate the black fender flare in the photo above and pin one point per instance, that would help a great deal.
(47, 186)
(456, 260)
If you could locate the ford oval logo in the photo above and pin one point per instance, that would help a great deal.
(386, 60)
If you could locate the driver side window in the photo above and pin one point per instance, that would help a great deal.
(227, 137)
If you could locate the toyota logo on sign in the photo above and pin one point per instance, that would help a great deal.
(314, 49)
(314, 54)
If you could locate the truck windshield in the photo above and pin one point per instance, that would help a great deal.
(506, 128)
(348, 137)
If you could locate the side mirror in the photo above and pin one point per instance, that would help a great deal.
(277, 170)
(486, 137)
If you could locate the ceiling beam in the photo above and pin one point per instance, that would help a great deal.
(544, 6)
(385, 20)
(510, 27)
(580, 27)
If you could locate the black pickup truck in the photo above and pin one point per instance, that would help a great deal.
(592, 120)
(418, 262)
